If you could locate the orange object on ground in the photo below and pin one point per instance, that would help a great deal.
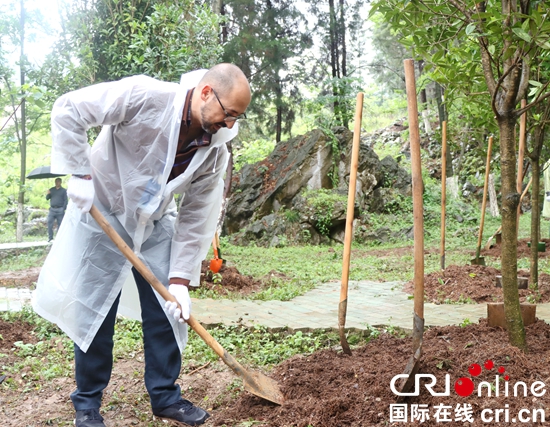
(216, 262)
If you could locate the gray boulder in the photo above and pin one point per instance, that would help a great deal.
(300, 190)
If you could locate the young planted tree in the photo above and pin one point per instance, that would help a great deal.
(498, 41)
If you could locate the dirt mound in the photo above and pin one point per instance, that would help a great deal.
(13, 332)
(20, 278)
(475, 283)
(227, 280)
(329, 388)
(524, 250)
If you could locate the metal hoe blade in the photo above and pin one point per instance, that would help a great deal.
(414, 362)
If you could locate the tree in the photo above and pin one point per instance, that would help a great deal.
(105, 40)
(22, 102)
(263, 37)
(540, 118)
(387, 63)
(337, 24)
(503, 39)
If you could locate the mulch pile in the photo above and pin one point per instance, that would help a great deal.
(524, 250)
(230, 280)
(329, 388)
(475, 283)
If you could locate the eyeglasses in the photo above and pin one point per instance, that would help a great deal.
(228, 117)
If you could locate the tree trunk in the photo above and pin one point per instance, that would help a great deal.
(279, 107)
(334, 57)
(493, 202)
(342, 33)
(217, 6)
(535, 224)
(343, 67)
(534, 156)
(510, 201)
(23, 148)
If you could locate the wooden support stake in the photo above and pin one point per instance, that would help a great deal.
(521, 155)
(443, 189)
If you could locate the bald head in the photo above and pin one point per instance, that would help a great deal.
(222, 95)
(226, 78)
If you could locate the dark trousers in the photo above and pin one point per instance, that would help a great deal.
(162, 356)
(55, 214)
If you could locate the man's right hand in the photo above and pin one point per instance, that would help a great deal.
(181, 293)
(81, 192)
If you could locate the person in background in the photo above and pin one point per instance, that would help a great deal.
(58, 204)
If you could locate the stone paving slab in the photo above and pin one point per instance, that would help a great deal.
(13, 299)
(22, 245)
(369, 304)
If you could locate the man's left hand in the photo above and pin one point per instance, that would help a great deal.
(181, 293)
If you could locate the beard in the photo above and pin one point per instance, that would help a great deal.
(209, 126)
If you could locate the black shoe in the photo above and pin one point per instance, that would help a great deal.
(88, 418)
(50, 240)
(183, 411)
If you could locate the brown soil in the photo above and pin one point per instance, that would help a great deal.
(524, 250)
(20, 278)
(475, 283)
(230, 281)
(324, 389)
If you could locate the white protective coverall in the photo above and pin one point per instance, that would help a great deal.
(130, 163)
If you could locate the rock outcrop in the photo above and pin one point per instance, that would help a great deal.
(300, 190)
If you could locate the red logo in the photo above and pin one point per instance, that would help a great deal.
(464, 386)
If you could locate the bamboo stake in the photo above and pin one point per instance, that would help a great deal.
(443, 189)
(521, 155)
(484, 203)
(348, 238)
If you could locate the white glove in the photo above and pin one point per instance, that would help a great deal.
(81, 192)
(181, 293)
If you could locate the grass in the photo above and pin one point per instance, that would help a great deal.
(24, 258)
(52, 355)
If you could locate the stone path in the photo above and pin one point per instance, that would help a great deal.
(369, 304)
(22, 245)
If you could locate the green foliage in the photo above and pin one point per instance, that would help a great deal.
(24, 259)
(387, 64)
(259, 347)
(111, 39)
(381, 110)
(165, 46)
(465, 323)
(322, 201)
(252, 152)
(261, 36)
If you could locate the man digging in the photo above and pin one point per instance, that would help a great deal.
(157, 139)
